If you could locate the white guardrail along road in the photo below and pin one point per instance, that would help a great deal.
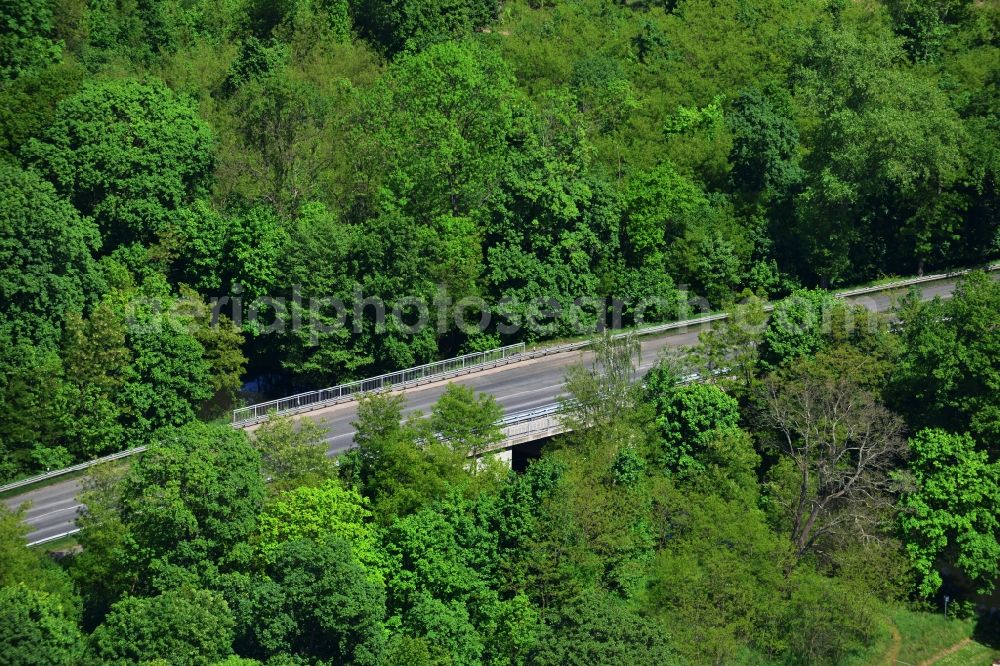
(68, 470)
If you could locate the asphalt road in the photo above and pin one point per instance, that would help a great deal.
(517, 387)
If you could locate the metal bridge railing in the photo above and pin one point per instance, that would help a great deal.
(251, 414)
(547, 419)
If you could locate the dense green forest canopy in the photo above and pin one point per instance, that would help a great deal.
(521, 157)
(162, 161)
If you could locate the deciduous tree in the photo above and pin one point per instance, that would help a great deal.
(597, 628)
(400, 467)
(128, 154)
(26, 43)
(951, 513)
(411, 24)
(466, 422)
(843, 445)
(320, 514)
(331, 609)
(686, 418)
(293, 453)
(191, 497)
(949, 369)
(47, 268)
(35, 629)
(184, 626)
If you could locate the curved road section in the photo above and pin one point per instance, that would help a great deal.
(519, 386)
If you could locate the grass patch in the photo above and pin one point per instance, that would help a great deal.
(973, 654)
(873, 654)
(65, 543)
(926, 634)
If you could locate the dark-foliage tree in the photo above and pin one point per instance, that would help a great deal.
(128, 154)
(184, 626)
